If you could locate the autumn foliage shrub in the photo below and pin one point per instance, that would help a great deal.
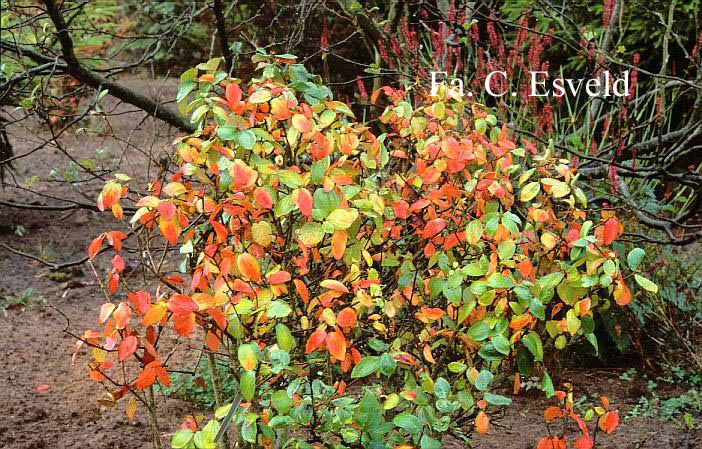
(363, 289)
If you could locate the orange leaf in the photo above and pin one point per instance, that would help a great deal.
(302, 290)
(220, 230)
(170, 229)
(336, 345)
(608, 422)
(263, 198)
(482, 423)
(121, 315)
(338, 244)
(182, 304)
(302, 123)
(605, 402)
(95, 246)
(249, 267)
(584, 442)
(126, 348)
(433, 313)
(622, 293)
(212, 341)
(315, 341)
(155, 314)
(552, 413)
(346, 318)
(552, 443)
(184, 324)
(337, 286)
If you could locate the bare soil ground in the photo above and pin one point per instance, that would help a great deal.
(34, 350)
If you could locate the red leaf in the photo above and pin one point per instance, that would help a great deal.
(608, 422)
(233, 94)
(433, 227)
(611, 231)
(42, 387)
(115, 238)
(315, 341)
(304, 202)
(126, 348)
(166, 209)
(118, 263)
(401, 209)
(181, 304)
(279, 277)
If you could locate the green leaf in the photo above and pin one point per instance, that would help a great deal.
(366, 366)
(227, 132)
(280, 421)
(281, 401)
(247, 139)
(278, 309)
(533, 342)
(529, 191)
(496, 399)
(635, 257)
(442, 388)
(247, 384)
(427, 442)
(181, 438)
(474, 231)
(387, 364)
(499, 280)
(646, 284)
(408, 422)
(311, 233)
(342, 218)
(506, 249)
(479, 331)
(547, 385)
(368, 415)
(501, 344)
(484, 379)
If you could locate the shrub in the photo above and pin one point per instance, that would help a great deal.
(364, 291)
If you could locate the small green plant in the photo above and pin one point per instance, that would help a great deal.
(197, 387)
(684, 409)
(20, 300)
